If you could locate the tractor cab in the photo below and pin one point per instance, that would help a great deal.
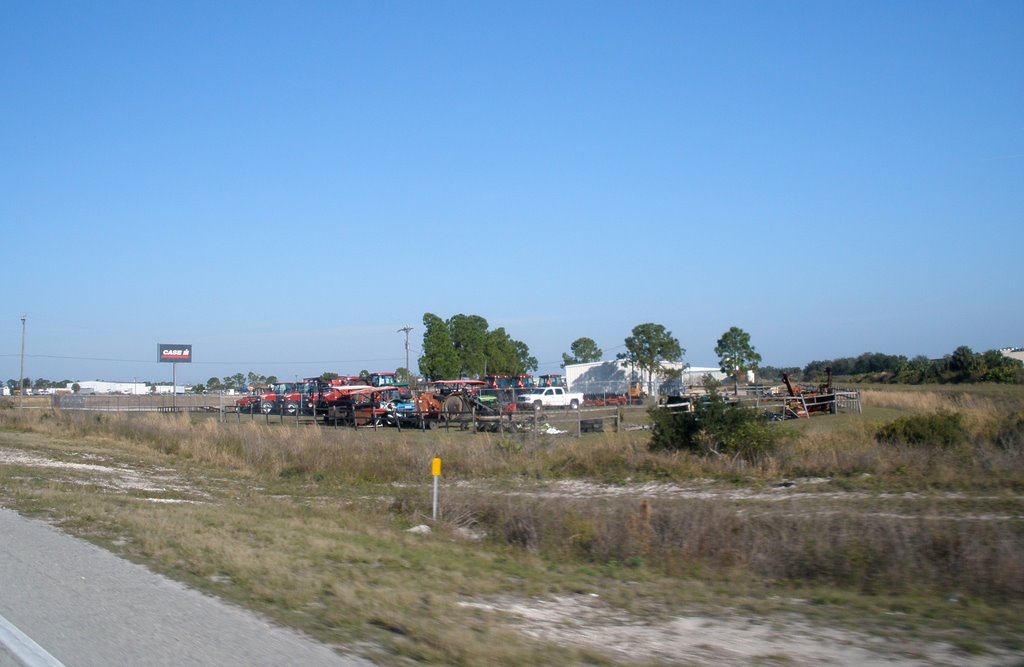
(551, 380)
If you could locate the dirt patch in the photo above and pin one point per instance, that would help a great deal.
(586, 621)
(794, 496)
(108, 476)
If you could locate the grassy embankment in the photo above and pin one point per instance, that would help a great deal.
(307, 525)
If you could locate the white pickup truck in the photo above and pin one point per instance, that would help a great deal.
(550, 397)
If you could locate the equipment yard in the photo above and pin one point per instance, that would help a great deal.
(556, 550)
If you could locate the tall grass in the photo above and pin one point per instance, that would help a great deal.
(843, 448)
(871, 552)
(869, 549)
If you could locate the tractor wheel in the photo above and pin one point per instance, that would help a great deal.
(453, 408)
(290, 408)
(266, 407)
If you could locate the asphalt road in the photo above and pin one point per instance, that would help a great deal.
(85, 606)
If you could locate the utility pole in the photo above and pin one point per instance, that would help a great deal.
(408, 371)
(21, 374)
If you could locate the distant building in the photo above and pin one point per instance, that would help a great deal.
(167, 389)
(614, 377)
(1013, 352)
(101, 387)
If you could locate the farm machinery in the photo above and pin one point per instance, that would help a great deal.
(808, 401)
(357, 405)
(446, 402)
(378, 400)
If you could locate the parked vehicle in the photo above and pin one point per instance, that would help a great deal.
(270, 400)
(551, 380)
(550, 397)
(304, 396)
(248, 404)
(358, 405)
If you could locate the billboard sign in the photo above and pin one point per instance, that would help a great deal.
(174, 353)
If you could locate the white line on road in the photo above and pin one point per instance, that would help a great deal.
(24, 649)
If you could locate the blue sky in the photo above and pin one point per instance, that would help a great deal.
(285, 185)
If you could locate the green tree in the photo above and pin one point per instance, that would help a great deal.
(583, 351)
(965, 364)
(462, 346)
(469, 339)
(736, 355)
(997, 367)
(507, 356)
(236, 381)
(439, 360)
(527, 361)
(501, 355)
(327, 376)
(214, 383)
(75, 388)
(649, 346)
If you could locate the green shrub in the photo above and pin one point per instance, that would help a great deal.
(714, 427)
(939, 429)
(1010, 434)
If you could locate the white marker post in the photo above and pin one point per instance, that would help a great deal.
(435, 470)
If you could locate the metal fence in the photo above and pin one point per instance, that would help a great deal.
(778, 407)
(143, 403)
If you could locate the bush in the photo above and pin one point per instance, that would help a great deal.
(714, 427)
(1009, 435)
(940, 429)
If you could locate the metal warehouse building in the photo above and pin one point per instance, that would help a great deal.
(613, 377)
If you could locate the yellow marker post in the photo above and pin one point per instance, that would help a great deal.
(435, 470)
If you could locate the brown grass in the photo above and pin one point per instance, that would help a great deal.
(838, 546)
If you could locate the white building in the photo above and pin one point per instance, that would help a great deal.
(167, 389)
(101, 387)
(1014, 353)
(613, 377)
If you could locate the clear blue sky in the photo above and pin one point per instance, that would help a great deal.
(285, 185)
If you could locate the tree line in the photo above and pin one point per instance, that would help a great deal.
(38, 383)
(466, 346)
(463, 346)
(960, 366)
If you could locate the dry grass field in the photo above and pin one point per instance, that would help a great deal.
(563, 550)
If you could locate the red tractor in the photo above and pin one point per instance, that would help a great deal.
(551, 380)
(303, 397)
(248, 404)
(272, 400)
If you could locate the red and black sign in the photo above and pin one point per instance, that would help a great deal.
(174, 353)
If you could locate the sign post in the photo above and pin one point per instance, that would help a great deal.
(435, 470)
(173, 353)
